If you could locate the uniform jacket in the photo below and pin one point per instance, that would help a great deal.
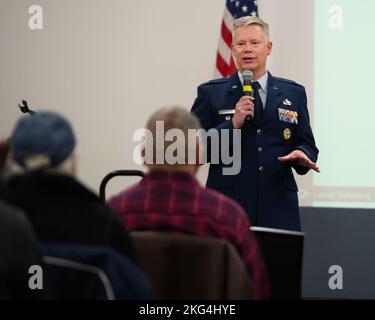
(265, 186)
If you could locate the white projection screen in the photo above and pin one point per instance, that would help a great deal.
(344, 108)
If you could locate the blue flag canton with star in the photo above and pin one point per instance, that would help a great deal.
(240, 8)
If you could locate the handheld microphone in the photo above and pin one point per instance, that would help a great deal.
(247, 76)
(247, 88)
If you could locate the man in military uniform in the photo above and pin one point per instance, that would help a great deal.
(275, 131)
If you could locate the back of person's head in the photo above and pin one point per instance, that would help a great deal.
(43, 141)
(172, 139)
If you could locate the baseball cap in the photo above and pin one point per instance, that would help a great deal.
(42, 134)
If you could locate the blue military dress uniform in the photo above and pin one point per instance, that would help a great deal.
(265, 186)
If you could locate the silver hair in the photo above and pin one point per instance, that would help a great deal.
(172, 117)
(248, 21)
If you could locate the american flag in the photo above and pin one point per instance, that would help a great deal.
(233, 9)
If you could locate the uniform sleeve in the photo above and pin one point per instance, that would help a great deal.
(206, 113)
(304, 139)
(203, 109)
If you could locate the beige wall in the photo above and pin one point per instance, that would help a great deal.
(108, 64)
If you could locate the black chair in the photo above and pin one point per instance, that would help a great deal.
(283, 253)
(182, 266)
(88, 272)
(116, 173)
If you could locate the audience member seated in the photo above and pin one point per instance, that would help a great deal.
(18, 252)
(59, 207)
(87, 272)
(169, 198)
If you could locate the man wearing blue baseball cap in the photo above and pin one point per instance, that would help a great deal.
(43, 141)
(60, 208)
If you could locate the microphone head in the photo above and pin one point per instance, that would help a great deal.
(247, 76)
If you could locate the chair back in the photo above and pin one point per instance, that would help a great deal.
(87, 272)
(183, 266)
(282, 251)
(113, 174)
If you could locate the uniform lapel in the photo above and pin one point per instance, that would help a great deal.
(274, 96)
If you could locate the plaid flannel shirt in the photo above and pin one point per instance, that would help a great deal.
(174, 201)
